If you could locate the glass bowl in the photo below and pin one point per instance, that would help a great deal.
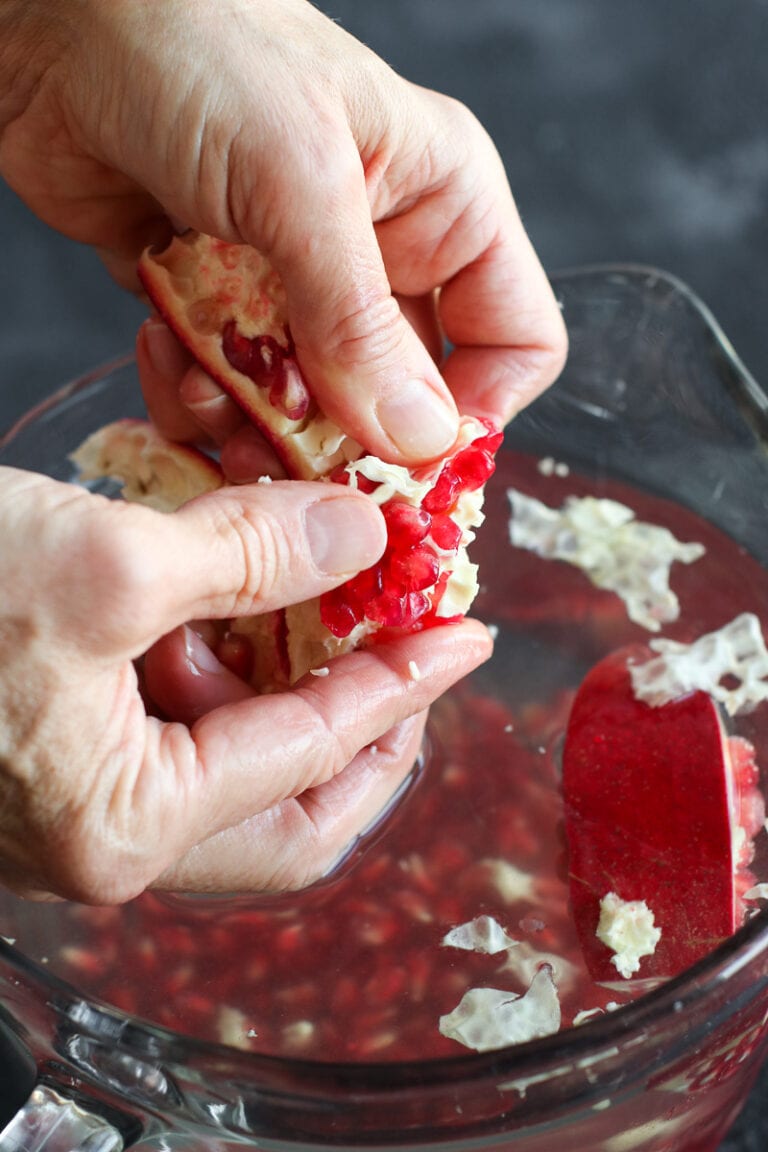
(654, 404)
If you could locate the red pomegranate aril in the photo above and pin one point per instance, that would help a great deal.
(238, 349)
(365, 484)
(493, 441)
(474, 466)
(407, 525)
(264, 361)
(414, 570)
(388, 610)
(288, 391)
(337, 613)
(392, 611)
(444, 493)
(445, 532)
(339, 475)
(363, 588)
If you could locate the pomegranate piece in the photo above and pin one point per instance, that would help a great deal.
(661, 806)
(227, 305)
(153, 471)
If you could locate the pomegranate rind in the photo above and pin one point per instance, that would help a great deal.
(152, 470)
(201, 287)
(653, 798)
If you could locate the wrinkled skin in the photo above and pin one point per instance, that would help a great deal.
(257, 121)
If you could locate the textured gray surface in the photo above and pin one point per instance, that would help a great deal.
(632, 132)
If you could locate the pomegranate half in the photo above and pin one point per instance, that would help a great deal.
(661, 807)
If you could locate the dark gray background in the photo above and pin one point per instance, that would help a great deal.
(632, 130)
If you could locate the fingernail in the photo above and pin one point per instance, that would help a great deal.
(199, 390)
(422, 424)
(199, 657)
(166, 355)
(344, 534)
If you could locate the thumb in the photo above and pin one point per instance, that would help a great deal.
(369, 370)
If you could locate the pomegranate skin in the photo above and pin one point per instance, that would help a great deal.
(652, 800)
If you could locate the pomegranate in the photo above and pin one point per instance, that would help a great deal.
(151, 470)
(227, 305)
(656, 800)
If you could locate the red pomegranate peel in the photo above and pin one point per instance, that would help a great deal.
(654, 800)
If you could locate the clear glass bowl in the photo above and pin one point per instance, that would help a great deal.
(653, 397)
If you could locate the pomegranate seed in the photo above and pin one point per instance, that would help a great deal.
(445, 532)
(406, 525)
(365, 484)
(414, 570)
(363, 588)
(493, 441)
(393, 611)
(289, 393)
(339, 475)
(474, 466)
(446, 490)
(263, 360)
(337, 613)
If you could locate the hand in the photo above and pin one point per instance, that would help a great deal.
(100, 800)
(262, 121)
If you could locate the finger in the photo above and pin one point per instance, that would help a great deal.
(247, 456)
(229, 767)
(369, 370)
(258, 547)
(162, 364)
(303, 839)
(126, 575)
(215, 412)
(509, 339)
(324, 722)
(185, 678)
(495, 306)
(181, 399)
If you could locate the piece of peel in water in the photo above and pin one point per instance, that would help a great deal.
(735, 652)
(489, 1018)
(627, 928)
(617, 552)
(483, 934)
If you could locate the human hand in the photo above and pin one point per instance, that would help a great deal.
(262, 121)
(100, 800)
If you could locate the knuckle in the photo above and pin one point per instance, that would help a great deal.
(87, 870)
(264, 555)
(115, 578)
(368, 332)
